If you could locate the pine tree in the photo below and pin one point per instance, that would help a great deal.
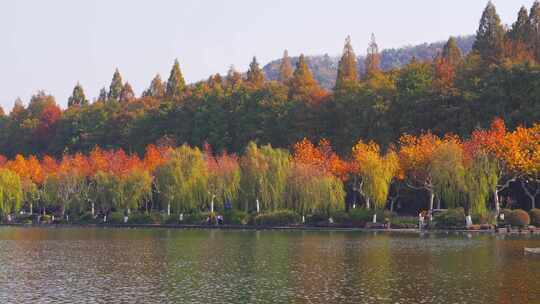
(347, 74)
(285, 68)
(116, 86)
(534, 30)
(520, 28)
(127, 94)
(489, 43)
(451, 52)
(302, 84)
(77, 98)
(175, 84)
(215, 82)
(102, 94)
(234, 78)
(2, 113)
(156, 88)
(255, 75)
(373, 58)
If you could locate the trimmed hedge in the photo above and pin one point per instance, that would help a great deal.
(519, 218)
(535, 217)
(235, 217)
(278, 218)
(452, 218)
(361, 216)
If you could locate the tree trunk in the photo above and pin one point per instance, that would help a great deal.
(531, 195)
(431, 199)
(212, 205)
(31, 208)
(497, 203)
(438, 203)
(93, 210)
(169, 209)
(367, 203)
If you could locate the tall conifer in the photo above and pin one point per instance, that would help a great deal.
(285, 68)
(127, 94)
(116, 86)
(255, 75)
(534, 30)
(176, 83)
(156, 88)
(373, 58)
(489, 43)
(451, 52)
(302, 83)
(347, 68)
(77, 98)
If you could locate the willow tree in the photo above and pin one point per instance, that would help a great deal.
(137, 185)
(374, 172)
(264, 172)
(310, 190)
(223, 177)
(448, 172)
(11, 193)
(481, 177)
(182, 182)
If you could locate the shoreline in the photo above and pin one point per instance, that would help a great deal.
(276, 228)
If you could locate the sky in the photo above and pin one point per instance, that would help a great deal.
(51, 45)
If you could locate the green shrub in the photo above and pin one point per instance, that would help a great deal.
(535, 217)
(278, 218)
(115, 218)
(404, 222)
(85, 218)
(452, 218)
(519, 218)
(341, 218)
(169, 220)
(26, 218)
(484, 219)
(235, 217)
(140, 219)
(361, 216)
(197, 218)
(317, 219)
(45, 219)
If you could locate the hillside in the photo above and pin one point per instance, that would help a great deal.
(324, 67)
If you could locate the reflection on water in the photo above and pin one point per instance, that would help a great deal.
(208, 266)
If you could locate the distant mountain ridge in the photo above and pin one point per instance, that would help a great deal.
(324, 67)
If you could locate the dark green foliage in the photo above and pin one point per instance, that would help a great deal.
(77, 98)
(519, 218)
(341, 218)
(452, 218)
(278, 218)
(85, 218)
(235, 217)
(176, 83)
(489, 41)
(361, 216)
(115, 218)
(535, 217)
(116, 86)
(142, 218)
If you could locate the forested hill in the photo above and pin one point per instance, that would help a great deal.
(324, 67)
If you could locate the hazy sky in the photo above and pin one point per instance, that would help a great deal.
(55, 43)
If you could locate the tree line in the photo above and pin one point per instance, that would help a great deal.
(313, 179)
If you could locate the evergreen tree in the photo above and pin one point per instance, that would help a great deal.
(234, 78)
(534, 28)
(116, 86)
(302, 84)
(77, 98)
(215, 82)
(127, 94)
(451, 52)
(102, 94)
(347, 74)
(285, 69)
(489, 43)
(156, 88)
(2, 113)
(373, 58)
(520, 28)
(255, 75)
(175, 84)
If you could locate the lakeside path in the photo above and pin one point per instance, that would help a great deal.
(261, 228)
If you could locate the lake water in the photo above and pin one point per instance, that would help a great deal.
(87, 265)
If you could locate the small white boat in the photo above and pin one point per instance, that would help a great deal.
(532, 251)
